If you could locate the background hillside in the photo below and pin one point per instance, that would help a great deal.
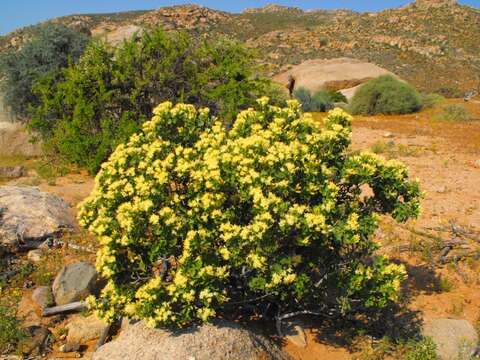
(432, 44)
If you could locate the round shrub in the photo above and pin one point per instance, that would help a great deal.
(385, 95)
(454, 112)
(53, 48)
(197, 221)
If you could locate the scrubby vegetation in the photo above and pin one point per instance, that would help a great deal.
(10, 331)
(454, 112)
(431, 100)
(110, 92)
(385, 95)
(53, 48)
(322, 100)
(196, 221)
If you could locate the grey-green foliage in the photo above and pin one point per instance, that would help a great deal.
(385, 95)
(53, 47)
(322, 100)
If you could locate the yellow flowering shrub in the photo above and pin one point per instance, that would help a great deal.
(196, 221)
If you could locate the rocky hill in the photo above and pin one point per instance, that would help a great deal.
(430, 43)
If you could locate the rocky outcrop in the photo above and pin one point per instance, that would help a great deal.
(223, 340)
(454, 338)
(15, 140)
(74, 283)
(28, 215)
(334, 74)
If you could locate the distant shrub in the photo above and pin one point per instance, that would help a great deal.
(431, 100)
(110, 92)
(197, 221)
(454, 112)
(450, 92)
(322, 100)
(385, 95)
(53, 48)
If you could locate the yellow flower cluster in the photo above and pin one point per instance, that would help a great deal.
(186, 204)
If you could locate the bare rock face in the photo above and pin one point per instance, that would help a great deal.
(221, 341)
(454, 338)
(15, 140)
(28, 215)
(74, 283)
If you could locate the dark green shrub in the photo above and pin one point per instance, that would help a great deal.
(454, 112)
(110, 91)
(54, 47)
(322, 100)
(385, 95)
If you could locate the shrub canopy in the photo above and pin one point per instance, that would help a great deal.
(195, 220)
(111, 91)
(385, 95)
(322, 100)
(53, 48)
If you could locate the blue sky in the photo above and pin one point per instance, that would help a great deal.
(18, 13)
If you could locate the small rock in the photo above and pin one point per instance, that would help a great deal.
(388, 135)
(12, 172)
(29, 216)
(36, 344)
(82, 329)
(295, 333)
(26, 312)
(42, 296)
(74, 283)
(69, 347)
(441, 189)
(452, 337)
(35, 255)
(477, 163)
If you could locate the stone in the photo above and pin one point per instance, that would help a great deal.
(295, 333)
(26, 312)
(388, 135)
(477, 163)
(453, 337)
(15, 139)
(29, 216)
(217, 341)
(82, 329)
(74, 282)
(35, 255)
(12, 172)
(36, 344)
(42, 297)
(69, 347)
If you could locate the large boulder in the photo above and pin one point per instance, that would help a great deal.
(454, 338)
(15, 140)
(333, 74)
(221, 341)
(74, 283)
(30, 215)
